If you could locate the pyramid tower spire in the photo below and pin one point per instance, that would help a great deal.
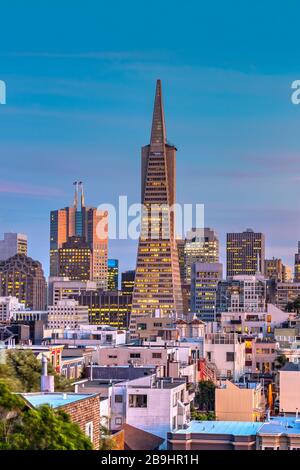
(158, 131)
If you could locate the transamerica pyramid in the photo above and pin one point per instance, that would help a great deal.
(157, 286)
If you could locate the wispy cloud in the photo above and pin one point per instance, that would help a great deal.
(10, 187)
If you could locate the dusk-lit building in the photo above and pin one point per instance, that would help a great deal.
(245, 253)
(85, 222)
(201, 246)
(23, 278)
(157, 280)
(113, 274)
(205, 279)
(75, 259)
(13, 244)
(127, 282)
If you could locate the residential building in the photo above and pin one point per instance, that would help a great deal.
(239, 402)
(83, 409)
(204, 283)
(87, 336)
(286, 292)
(23, 278)
(214, 435)
(245, 253)
(226, 352)
(113, 274)
(279, 433)
(13, 244)
(157, 280)
(67, 313)
(242, 294)
(289, 385)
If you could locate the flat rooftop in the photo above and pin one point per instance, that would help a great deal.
(235, 428)
(55, 400)
(281, 425)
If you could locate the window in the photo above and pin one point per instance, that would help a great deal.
(89, 430)
(135, 355)
(156, 355)
(141, 326)
(118, 398)
(230, 356)
(118, 421)
(138, 401)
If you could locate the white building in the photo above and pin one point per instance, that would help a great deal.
(8, 307)
(61, 288)
(88, 335)
(12, 244)
(226, 353)
(67, 313)
(154, 405)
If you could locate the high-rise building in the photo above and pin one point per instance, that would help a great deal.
(287, 273)
(204, 284)
(113, 274)
(87, 223)
(127, 282)
(157, 280)
(74, 259)
(13, 244)
(274, 269)
(297, 265)
(245, 253)
(23, 277)
(201, 246)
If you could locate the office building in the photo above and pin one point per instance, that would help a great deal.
(113, 274)
(242, 294)
(157, 280)
(67, 314)
(23, 277)
(204, 284)
(75, 259)
(13, 244)
(60, 288)
(201, 246)
(127, 282)
(245, 253)
(87, 223)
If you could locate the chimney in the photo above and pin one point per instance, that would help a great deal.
(47, 381)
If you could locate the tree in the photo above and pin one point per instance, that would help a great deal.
(280, 361)
(293, 306)
(198, 416)
(22, 372)
(205, 395)
(43, 428)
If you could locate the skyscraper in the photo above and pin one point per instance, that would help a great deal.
(204, 284)
(157, 281)
(84, 222)
(297, 265)
(113, 274)
(127, 282)
(201, 246)
(13, 244)
(23, 277)
(245, 253)
(74, 259)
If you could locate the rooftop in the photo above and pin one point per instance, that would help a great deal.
(235, 428)
(55, 400)
(281, 425)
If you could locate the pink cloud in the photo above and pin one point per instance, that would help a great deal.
(9, 187)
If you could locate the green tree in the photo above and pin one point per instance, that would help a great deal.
(198, 416)
(280, 361)
(43, 428)
(22, 372)
(293, 306)
(205, 395)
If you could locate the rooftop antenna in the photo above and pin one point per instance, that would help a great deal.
(76, 194)
(82, 193)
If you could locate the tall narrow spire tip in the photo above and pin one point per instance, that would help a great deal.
(158, 132)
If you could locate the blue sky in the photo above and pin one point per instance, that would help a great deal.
(80, 82)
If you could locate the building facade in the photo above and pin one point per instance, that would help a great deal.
(201, 246)
(13, 244)
(75, 259)
(67, 313)
(245, 253)
(204, 283)
(113, 274)
(23, 277)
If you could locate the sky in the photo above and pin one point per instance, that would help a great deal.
(80, 79)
